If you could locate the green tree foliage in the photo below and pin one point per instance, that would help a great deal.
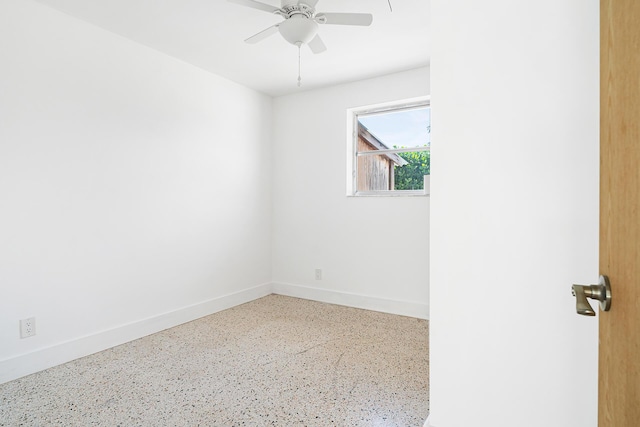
(411, 175)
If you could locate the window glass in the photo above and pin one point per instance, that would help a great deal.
(404, 128)
(392, 150)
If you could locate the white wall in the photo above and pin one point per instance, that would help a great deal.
(134, 189)
(373, 250)
(514, 213)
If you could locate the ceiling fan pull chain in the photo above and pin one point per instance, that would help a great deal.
(299, 78)
(390, 8)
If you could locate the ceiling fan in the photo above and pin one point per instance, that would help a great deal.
(300, 25)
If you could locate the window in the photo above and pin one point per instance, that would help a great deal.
(390, 149)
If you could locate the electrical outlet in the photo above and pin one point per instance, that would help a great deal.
(318, 274)
(27, 327)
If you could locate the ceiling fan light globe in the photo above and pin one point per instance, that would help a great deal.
(298, 29)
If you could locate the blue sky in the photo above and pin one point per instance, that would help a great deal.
(402, 128)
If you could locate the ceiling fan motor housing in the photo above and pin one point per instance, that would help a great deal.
(298, 9)
(298, 29)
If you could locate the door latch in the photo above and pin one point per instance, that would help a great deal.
(600, 292)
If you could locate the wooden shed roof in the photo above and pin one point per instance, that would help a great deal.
(376, 144)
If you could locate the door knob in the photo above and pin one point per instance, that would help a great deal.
(600, 292)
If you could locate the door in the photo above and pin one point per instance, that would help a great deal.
(619, 354)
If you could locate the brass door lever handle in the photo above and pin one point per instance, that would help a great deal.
(600, 292)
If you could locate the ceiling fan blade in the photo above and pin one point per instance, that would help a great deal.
(363, 19)
(317, 45)
(263, 34)
(256, 5)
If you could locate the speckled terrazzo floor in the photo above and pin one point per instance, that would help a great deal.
(276, 361)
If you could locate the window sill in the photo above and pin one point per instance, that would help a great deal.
(398, 193)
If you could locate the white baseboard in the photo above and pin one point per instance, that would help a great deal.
(38, 360)
(44, 358)
(402, 308)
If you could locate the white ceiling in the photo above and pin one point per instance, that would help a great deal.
(210, 33)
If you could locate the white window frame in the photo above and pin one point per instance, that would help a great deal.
(352, 146)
